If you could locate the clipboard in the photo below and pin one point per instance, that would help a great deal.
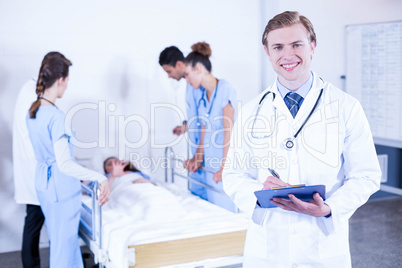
(304, 193)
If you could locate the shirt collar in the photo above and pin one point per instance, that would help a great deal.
(302, 91)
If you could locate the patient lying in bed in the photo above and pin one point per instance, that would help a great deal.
(114, 167)
(133, 193)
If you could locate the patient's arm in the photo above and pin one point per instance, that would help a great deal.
(143, 180)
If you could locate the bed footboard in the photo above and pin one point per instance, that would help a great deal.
(189, 249)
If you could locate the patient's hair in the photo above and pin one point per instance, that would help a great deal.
(129, 167)
(285, 19)
(170, 56)
(54, 66)
(201, 52)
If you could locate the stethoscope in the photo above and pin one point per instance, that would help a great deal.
(205, 104)
(289, 142)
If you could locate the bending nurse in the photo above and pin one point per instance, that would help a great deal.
(57, 176)
(211, 109)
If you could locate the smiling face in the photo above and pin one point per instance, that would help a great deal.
(290, 53)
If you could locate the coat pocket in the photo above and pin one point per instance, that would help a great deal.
(334, 244)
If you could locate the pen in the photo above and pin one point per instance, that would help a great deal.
(273, 172)
(276, 175)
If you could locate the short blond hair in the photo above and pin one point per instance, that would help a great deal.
(285, 19)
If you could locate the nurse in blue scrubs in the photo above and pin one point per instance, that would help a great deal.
(57, 176)
(211, 109)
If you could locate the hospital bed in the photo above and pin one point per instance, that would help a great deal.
(205, 236)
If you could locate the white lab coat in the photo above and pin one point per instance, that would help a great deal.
(24, 161)
(334, 148)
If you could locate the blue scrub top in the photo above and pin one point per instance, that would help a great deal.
(44, 130)
(201, 111)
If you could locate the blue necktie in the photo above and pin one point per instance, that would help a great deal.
(293, 101)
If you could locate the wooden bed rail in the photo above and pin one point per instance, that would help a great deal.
(189, 249)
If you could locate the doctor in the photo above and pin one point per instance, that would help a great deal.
(309, 132)
(171, 59)
(24, 164)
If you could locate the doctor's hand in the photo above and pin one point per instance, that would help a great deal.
(104, 192)
(192, 164)
(180, 130)
(218, 176)
(271, 181)
(315, 207)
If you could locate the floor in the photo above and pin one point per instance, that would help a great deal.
(375, 237)
(13, 260)
(376, 234)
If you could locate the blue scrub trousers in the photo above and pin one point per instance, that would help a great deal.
(196, 189)
(222, 200)
(62, 210)
(211, 196)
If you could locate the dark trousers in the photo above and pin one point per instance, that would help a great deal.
(30, 241)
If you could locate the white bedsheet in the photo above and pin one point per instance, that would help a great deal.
(145, 213)
(140, 201)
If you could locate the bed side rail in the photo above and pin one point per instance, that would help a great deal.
(90, 229)
(169, 168)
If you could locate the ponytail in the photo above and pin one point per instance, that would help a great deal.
(34, 108)
(54, 66)
(40, 89)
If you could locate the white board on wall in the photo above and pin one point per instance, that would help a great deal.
(374, 77)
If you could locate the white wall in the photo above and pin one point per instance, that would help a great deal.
(114, 47)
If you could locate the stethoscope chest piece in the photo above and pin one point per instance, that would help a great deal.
(289, 144)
